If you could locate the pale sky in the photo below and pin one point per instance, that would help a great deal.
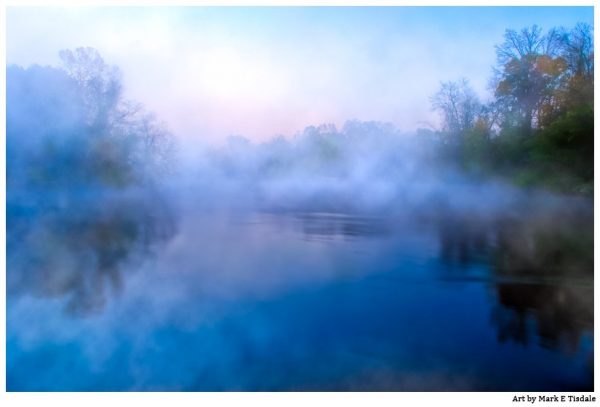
(257, 72)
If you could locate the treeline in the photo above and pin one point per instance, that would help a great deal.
(70, 127)
(538, 129)
(369, 149)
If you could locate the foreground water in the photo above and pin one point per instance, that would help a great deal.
(125, 295)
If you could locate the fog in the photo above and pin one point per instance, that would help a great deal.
(84, 159)
(214, 71)
(362, 167)
(143, 259)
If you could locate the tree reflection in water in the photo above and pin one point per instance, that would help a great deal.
(542, 270)
(76, 247)
(552, 255)
(561, 314)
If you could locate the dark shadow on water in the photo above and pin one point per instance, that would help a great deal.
(558, 316)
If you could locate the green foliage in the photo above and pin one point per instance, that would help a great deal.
(477, 150)
(564, 151)
(539, 128)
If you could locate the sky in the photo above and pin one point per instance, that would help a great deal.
(211, 72)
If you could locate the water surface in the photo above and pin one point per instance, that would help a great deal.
(126, 292)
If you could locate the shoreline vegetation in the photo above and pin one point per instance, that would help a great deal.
(536, 131)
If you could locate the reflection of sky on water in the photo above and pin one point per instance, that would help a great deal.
(319, 301)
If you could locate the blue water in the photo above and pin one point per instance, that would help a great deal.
(263, 300)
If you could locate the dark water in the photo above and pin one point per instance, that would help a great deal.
(127, 293)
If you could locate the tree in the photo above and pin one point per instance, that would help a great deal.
(459, 107)
(146, 144)
(71, 125)
(100, 84)
(543, 86)
(578, 52)
(531, 69)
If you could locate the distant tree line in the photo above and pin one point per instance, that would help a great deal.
(71, 126)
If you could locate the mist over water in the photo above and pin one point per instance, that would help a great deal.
(336, 259)
(341, 277)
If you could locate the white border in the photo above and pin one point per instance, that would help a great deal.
(395, 399)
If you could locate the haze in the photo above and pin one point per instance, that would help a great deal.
(260, 72)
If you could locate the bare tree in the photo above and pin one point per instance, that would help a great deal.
(99, 82)
(145, 143)
(578, 50)
(458, 105)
